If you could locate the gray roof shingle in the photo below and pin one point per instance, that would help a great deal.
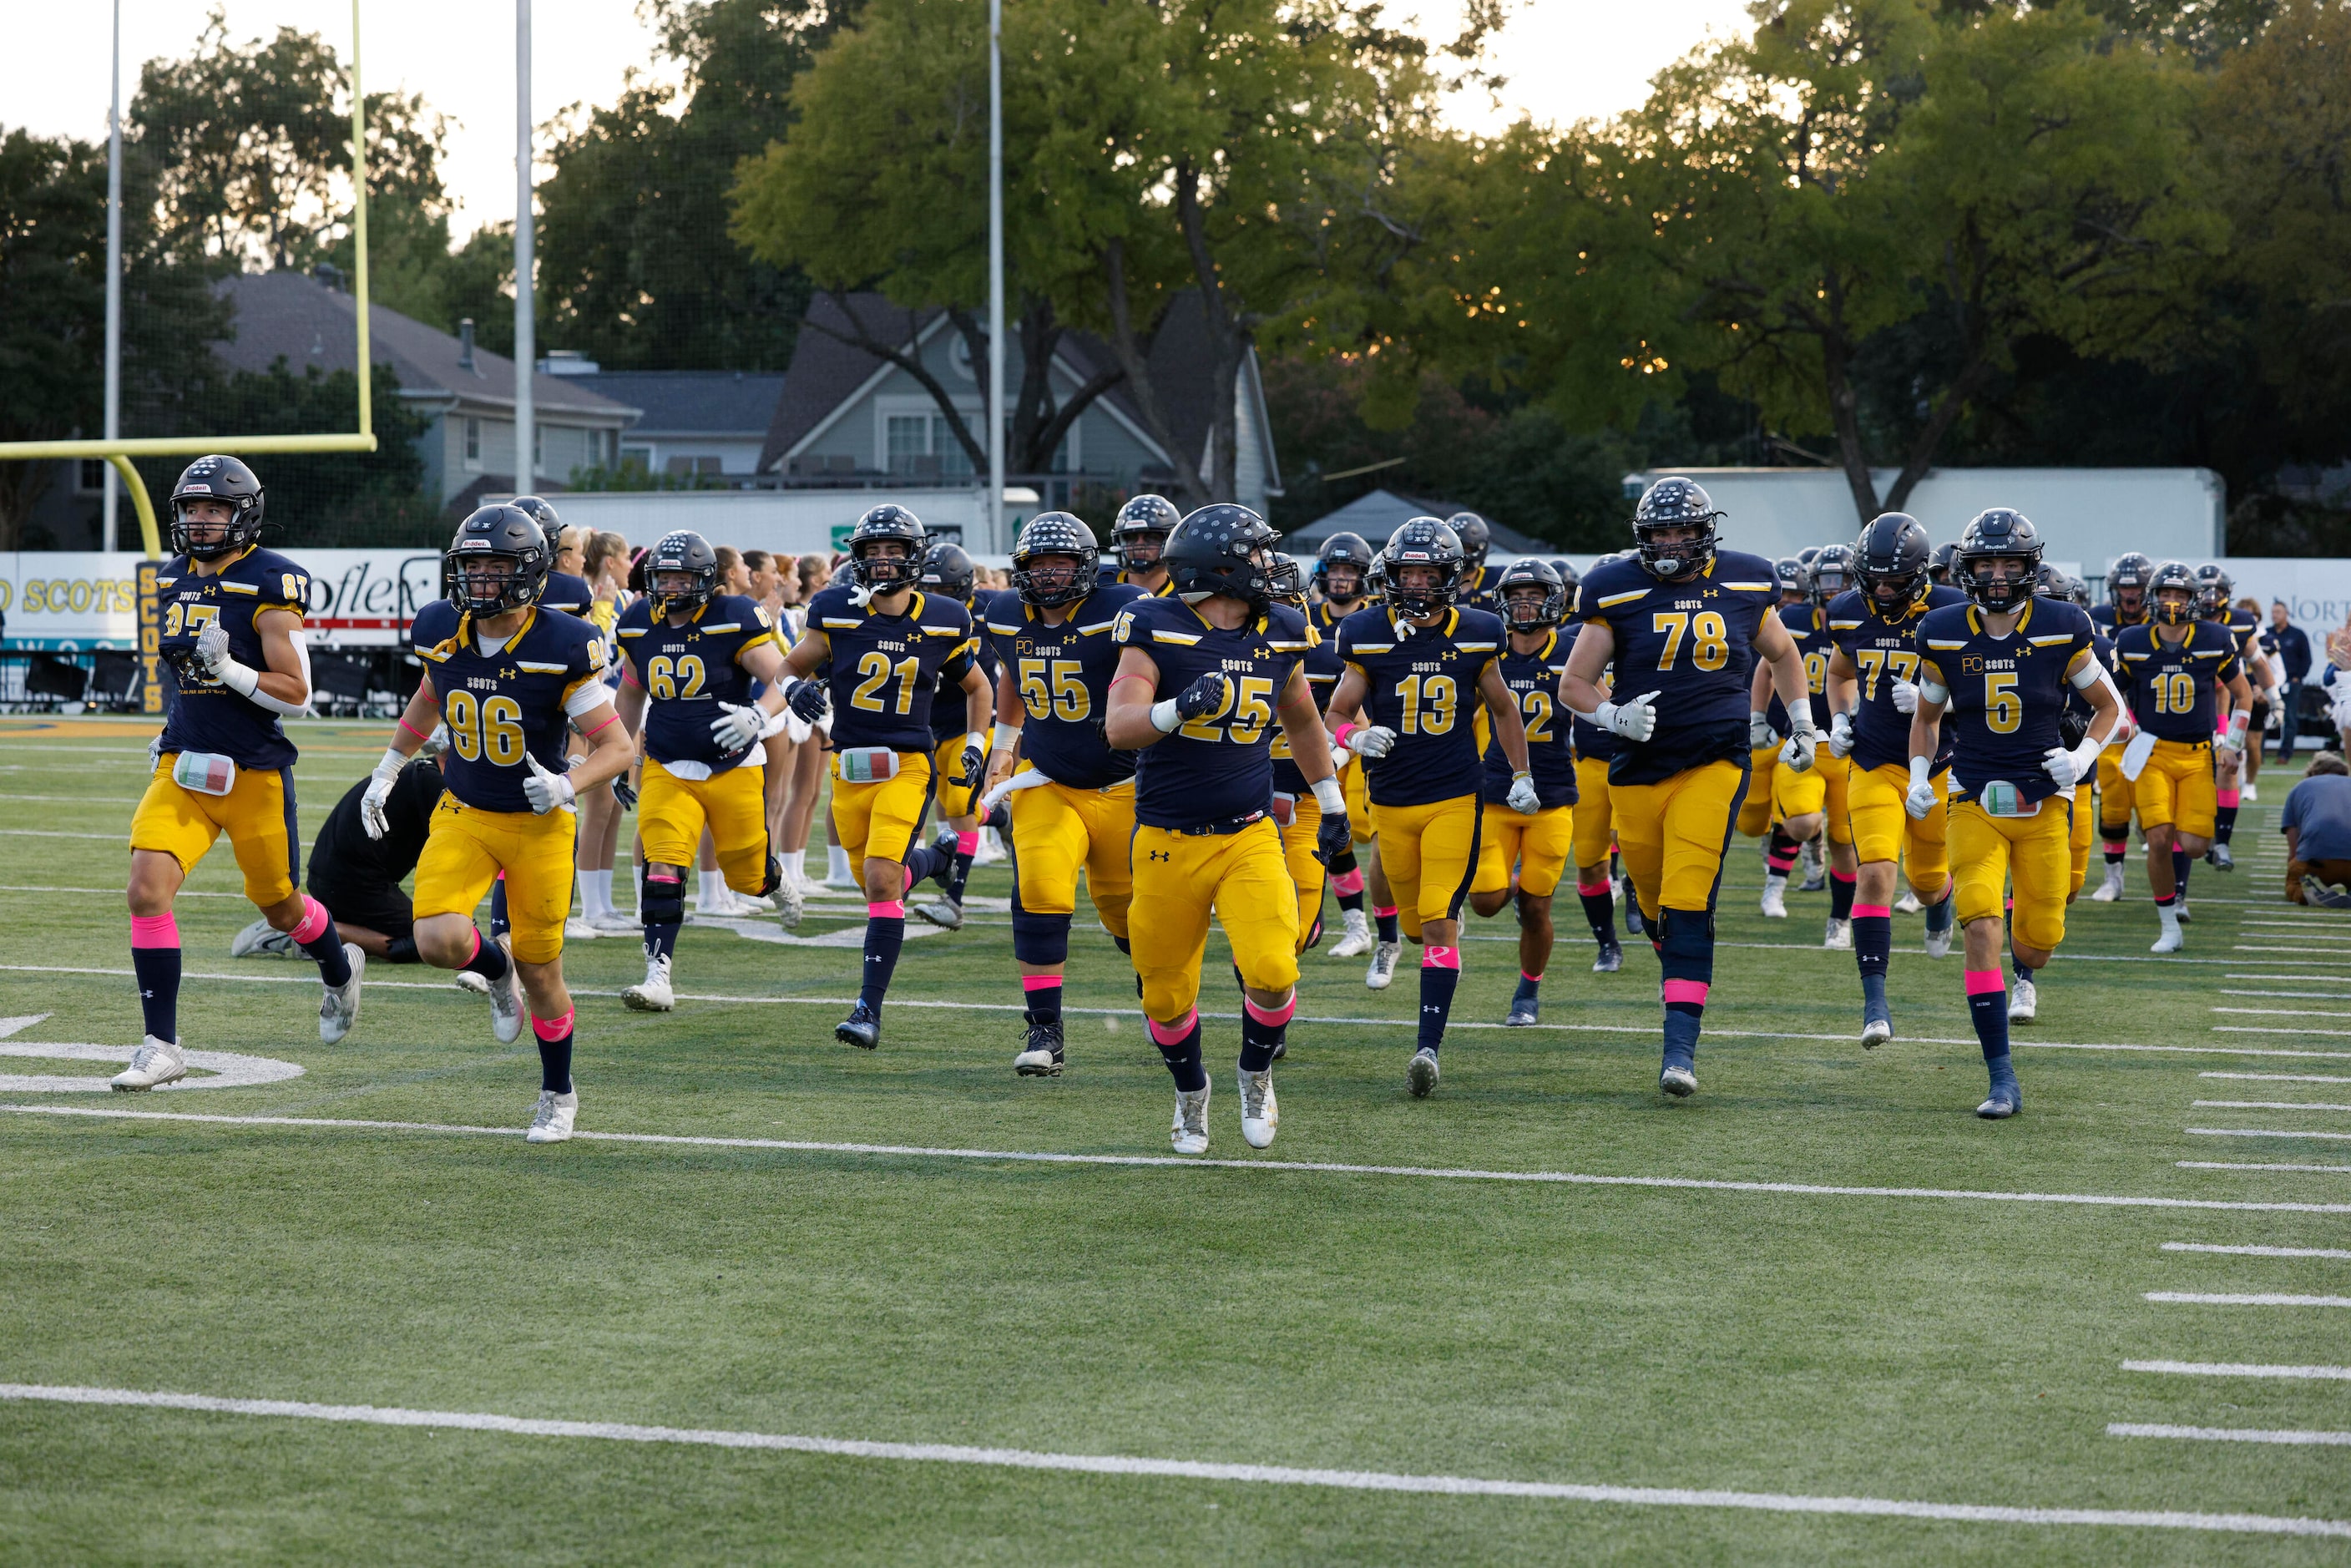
(691, 402)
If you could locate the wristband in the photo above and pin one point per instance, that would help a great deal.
(391, 764)
(238, 677)
(1917, 771)
(976, 737)
(1164, 718)
(1799, 719)
(1330, 796)
(1005, 736)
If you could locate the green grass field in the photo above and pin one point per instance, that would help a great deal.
(1934, 1347)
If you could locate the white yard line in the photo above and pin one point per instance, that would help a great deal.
(1187, 1469)
(2282, 1012)
(2307, 996)
(2241, 1165)
(2260, 1133)
(2329, 979)
(2240, 1369)
(116, 892)
(1326, 1167)
(2282, 1077)
(2229, 1435)
(45, 833)
(2266, 1105)
(2244, 1299)
(2254, 1251)
(2259, 1029)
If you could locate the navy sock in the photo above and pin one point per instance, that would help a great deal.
(660, 941)
(884, 935)
(1686, 954)
(1387, 924)
(958, 874)
(923, 862)
(1840, 897)
(1939, 913)
(2115, 855)
(1123, 945)
(1351, 902)
(2180, 862)
(1044, 1003)
(334, 963)
(1600, 914)
(158, 970)
(1182, 1059)
(1261, 1039)
(2027, 976)
(499, 926)
(554, 1059)
(1988, 1010)
(1530, 989)
(1437, 984)
(489, 960)
(1872, 944)
(2224, 823)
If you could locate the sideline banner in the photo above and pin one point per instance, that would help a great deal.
(70, 601)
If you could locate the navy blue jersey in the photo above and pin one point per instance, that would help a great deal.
(568, 593)
(1533, 680)
(1808, 625)
(2007, 694)
(1694, 644)
(206, 716)
(1477, 590)
(1323, 669)
(1063, 674)
(1422, 682)
(884, 670)
(687, 671)
(1884, 649)
(948, 716)
(2172, 687)
(1591, 740)
(2102, 648)
(499, 704)
(1217, 768)
(2108, 618)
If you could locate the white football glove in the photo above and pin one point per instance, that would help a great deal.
(1840, 735)
(1523, 800)
(155, 752)
(1759, 733)
(544, 790)
(378, 790)
(212, 648)
(2058, 763)
(1796, 752)
(736, 727)
(1374, 740)
(1635, 720)
(1921, 798)
(1905, 696)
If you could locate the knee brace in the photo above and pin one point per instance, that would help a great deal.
(1040, 939)
(660, 896)
(1685, 943)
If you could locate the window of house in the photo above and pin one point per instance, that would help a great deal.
(637, 457)
(473, 442)
(909, 438)
(954, 462)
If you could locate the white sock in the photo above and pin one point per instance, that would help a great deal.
(795, 864)
(596, 892)
(836, 863)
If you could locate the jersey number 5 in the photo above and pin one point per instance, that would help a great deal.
(1064, 697)
(1249, 704)
(1709, 639)
(2004, 709)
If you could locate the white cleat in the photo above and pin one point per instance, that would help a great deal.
(261, 940)
(1382, 974)
(2023, 1000)
(1421, 1073)
(1679, 1082)
(551, 1122)
(506, 1004)
(1358, 940)
(652, 994)
(2248, 793)
(612, 923)
(1190, 1133)
(1907, 903)
(1260, 1114)
(338, 1009)
(155, 1063)
(2111, 889)
(1938, 942)
(1876, 1032)
(2180, 909)
(1775, 898)
(1838, 937)
(2173, 938)
(580, 928)
(789, 904)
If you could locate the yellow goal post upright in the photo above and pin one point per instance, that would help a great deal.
(121, 452)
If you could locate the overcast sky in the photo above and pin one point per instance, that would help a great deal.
(1565, 58)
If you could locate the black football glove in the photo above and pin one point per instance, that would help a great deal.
(2073, 728)
(974, 760)
(624, 793)
(807, 699)
(1332, 838)
(1206, 695)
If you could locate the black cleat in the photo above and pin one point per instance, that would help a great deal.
(1041, 1056)
(862, 1028)
(1610, 960)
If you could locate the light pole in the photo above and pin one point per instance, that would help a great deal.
(993, 514)
(526, 354)
(114, 273)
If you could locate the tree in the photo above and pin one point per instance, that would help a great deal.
(253, 149)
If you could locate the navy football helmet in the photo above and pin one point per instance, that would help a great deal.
(681, 552)
(947, 570)
(1893, 559)
(1522, 610)
(492, 537)
(2000, 533)
(885, 573)
(1225, 549)
(1425, 541)
(1675, 503)
(1054, 533)
(217, 478)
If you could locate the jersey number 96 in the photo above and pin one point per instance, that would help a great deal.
(491, 728)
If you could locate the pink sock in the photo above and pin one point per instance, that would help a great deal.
(1690, 992)
(2228, 797)
(1353, 882)
(893, 909)
(1271, 1016)
(1530, 979)
(1873, 911)
(1982, 980)
(968, 843)
(1440, 957)
(154, 930)
(316, 922)
(1040, 982)
(1171, 1034)
(553, 1028)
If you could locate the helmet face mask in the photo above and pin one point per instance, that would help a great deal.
(2174, 596)
(498, 561)
(947, 570)
(1831, 573)
(1533, 595)
(885, 549)
(680, 571)
(1054, 560)
(1675, 524)
(2214, 589)
(223, 482)
(1343, 568)
(1893, 562)
(1434, 547)
(1999, 559)
(1226, 551)
(1141, 529)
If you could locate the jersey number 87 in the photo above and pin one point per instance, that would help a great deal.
(492, 726)
(1710, 638)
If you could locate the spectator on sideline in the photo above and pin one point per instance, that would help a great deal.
(2290, 645)
(815, 572)
(571, 550)
(2317, 823)
(733, 576)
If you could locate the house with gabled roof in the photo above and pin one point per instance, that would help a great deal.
(848, 415)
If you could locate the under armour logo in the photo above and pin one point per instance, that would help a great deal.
(1161, 855)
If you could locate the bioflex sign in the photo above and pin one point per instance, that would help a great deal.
(69, 600)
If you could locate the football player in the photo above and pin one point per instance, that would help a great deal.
(565, 591)
(1204, 676)
(1520, 856)
(231, 636)
(1070, 795)
(1873, 691)
(2056, 584)
(1756, 820)
(1939, 565)
(692, 655)
(2125, 607)
(2000, 666)
(511, 680)
(1296, 812)
(2215, 589)
(1415, 668)
(1478, 584)
(1595, 833)
(2175, 667)
(946, 573)
(1686, 621)
(884, 649)
(1140, 533)
(1342, 585)
(1808, 808)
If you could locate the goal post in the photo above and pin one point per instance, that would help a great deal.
(120, 451)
